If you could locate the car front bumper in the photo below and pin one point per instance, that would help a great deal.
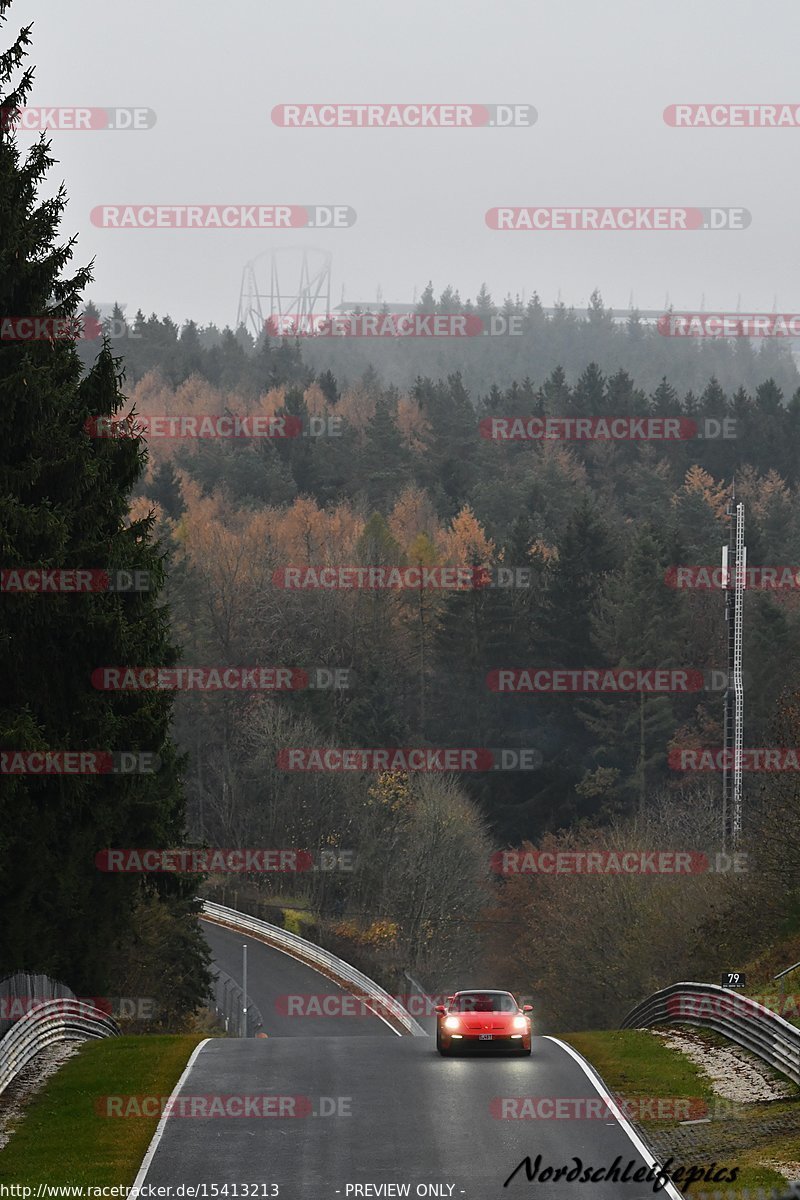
(472, 1041)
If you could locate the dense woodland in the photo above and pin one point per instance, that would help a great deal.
(400, 475)
(540, 343)
(407, 479)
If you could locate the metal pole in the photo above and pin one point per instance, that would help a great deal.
(734, 566)
(741, 569)
(244, 989)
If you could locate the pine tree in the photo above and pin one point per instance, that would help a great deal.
(447, 466)
(664, 400)
(636, 623)
(63, 504)
(165, 489)
(189, 360)
(589, 397)
(460, 703)
(385, 459)
(556, 394)
(564, 640)
(585, 556)
(297, 452)
(329, 387)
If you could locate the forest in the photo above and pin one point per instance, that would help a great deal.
(592, 535)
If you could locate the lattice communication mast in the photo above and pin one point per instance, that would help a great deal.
(734, 568)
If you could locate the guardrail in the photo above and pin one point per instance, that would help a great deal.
(335, 968)
(59, 1020)
(228, 1005)
(19, 991)
(737, 1018)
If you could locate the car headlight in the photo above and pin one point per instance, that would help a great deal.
(520, 1022)
(451, 1023)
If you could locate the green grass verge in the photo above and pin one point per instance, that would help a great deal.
(636, 1065)
(62, 1139)
(785, 1150)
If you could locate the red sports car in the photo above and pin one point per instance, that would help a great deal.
(485, 1020)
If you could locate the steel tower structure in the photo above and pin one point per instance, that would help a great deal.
(734, 567)
(293, 282)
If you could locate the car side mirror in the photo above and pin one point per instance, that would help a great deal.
(440, 1009)
(527, 1008)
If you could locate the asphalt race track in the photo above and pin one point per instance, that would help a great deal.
(363, 1106)
(272, 975)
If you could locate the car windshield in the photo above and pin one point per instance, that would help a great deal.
(484, 1002)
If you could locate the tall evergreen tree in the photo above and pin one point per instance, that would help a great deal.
(563, 626)
(636, 623)
(384, 457)
(63, 504)
(585, 556)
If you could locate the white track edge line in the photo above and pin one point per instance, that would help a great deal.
(159, 1133)
(623, 1121)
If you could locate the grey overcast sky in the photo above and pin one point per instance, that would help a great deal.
(598, 74)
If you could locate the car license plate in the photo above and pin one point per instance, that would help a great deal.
(485, 1037)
